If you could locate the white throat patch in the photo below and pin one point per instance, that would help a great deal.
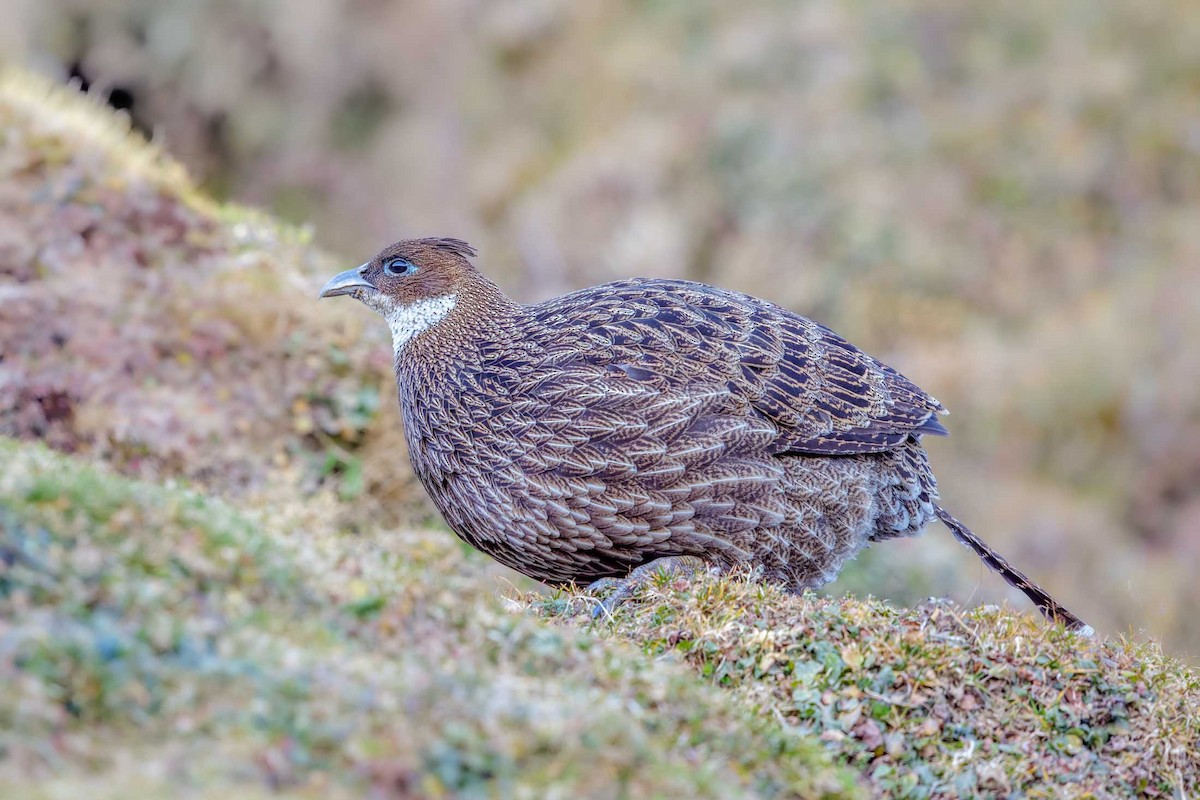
(407, 321)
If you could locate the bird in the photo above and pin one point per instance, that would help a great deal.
(652, 425)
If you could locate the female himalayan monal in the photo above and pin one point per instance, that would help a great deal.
(649, 425)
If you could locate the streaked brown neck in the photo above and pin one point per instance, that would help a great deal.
(481, 314)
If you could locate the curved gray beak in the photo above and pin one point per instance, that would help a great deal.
(346, 283)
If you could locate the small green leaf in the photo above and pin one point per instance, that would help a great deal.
(367, 606)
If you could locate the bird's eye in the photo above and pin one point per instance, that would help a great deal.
(398, 266)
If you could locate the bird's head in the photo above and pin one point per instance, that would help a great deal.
(413, 284)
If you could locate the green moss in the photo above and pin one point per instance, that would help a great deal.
(148, 618)
(934, 701)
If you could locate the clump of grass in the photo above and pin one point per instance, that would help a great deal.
(933, 701)
(153, 635)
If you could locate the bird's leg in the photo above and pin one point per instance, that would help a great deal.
(638, 577)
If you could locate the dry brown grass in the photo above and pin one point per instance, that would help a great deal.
(147, 328)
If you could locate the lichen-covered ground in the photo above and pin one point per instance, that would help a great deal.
(212, 583)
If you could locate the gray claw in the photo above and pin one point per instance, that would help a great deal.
(670, 565)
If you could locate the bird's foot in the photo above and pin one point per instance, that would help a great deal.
(623, 588)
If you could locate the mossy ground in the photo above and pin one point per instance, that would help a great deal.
(934, 701)
(211, 594)
(157, 638)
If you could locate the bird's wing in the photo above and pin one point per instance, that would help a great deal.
(823, 395)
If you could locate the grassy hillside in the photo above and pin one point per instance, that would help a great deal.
(156, 638)
(934, 701)
(210, 588)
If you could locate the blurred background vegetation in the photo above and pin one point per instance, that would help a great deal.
(1001, 200)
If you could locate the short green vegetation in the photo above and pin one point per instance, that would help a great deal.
(932, 702)
(154, 638)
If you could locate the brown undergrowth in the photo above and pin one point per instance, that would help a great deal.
(146, 326)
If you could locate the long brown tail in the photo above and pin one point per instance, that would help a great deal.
(1044, 602)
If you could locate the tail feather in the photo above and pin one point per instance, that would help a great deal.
(1014, 577)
